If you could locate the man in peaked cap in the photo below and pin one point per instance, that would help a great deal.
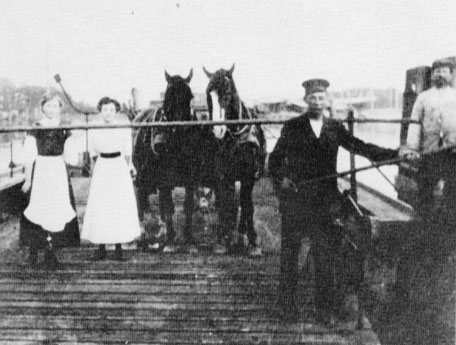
(315, 85)
(307, 149)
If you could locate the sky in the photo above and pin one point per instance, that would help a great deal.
(106, 47)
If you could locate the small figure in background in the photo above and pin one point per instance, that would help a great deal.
(49, 221)
(111, 215)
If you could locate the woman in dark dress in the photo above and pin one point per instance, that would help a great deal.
(49, 221)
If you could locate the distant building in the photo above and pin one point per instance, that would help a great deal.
(367, 98)
(296, 105)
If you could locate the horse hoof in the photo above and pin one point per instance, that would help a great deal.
(255, 252)
(155, 245)
(170, 248)
(192, 249)
(219, 249)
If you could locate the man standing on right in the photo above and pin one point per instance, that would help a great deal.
(435, 108)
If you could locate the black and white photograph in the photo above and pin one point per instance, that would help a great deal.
(243, 172)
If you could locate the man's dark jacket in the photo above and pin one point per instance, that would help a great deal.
(300, 156)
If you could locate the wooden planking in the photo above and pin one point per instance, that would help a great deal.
(68, 275)
(107, 311)
(145, 290)
(83, 255)
(105, 297)
(114, 304)
(165, 336)
(53, 281)
(157, 299)
(155, 324)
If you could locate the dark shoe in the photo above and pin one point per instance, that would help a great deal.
(254, 251)
(326, 319)
(33, 258)
(101, 253)
(118, 254)
(50, 261)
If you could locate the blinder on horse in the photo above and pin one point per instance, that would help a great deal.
(175, 108)
(224, 104)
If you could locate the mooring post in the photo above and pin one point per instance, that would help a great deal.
(12, 165)
(351, 129)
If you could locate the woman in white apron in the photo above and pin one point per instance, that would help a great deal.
(49, 221)
(111, 216)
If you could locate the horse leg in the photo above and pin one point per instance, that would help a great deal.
(142, 198)
(143, 202)
(188, 209)
(246, 219)
(227, 212)
(166, 213)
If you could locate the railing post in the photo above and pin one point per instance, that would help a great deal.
(12, 165)
(351, 129)
(86, 154)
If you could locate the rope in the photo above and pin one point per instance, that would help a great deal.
(385, 177)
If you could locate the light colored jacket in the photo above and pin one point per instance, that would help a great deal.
(436, 109)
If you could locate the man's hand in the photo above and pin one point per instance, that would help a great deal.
(288, 185)
(408, 154)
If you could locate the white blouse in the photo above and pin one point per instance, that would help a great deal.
(110, 141)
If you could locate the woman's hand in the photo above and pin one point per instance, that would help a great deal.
(133, 172)
(26, 186)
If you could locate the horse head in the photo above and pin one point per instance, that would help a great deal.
(222, 98)
(178, 96)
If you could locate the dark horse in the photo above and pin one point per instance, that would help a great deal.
(167, 157)
(241, 157)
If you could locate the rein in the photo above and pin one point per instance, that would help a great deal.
(154, 118)
(246, 127)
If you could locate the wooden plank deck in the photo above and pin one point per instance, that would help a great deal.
(157, 299)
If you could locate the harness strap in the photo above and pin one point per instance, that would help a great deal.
(154, 118)
(246, 127)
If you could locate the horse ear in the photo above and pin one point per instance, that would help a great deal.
(209, 74)
(231, 70)
(167, 76)
(190, 75)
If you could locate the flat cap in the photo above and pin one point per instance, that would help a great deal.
(315, 85)
(443, 63)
